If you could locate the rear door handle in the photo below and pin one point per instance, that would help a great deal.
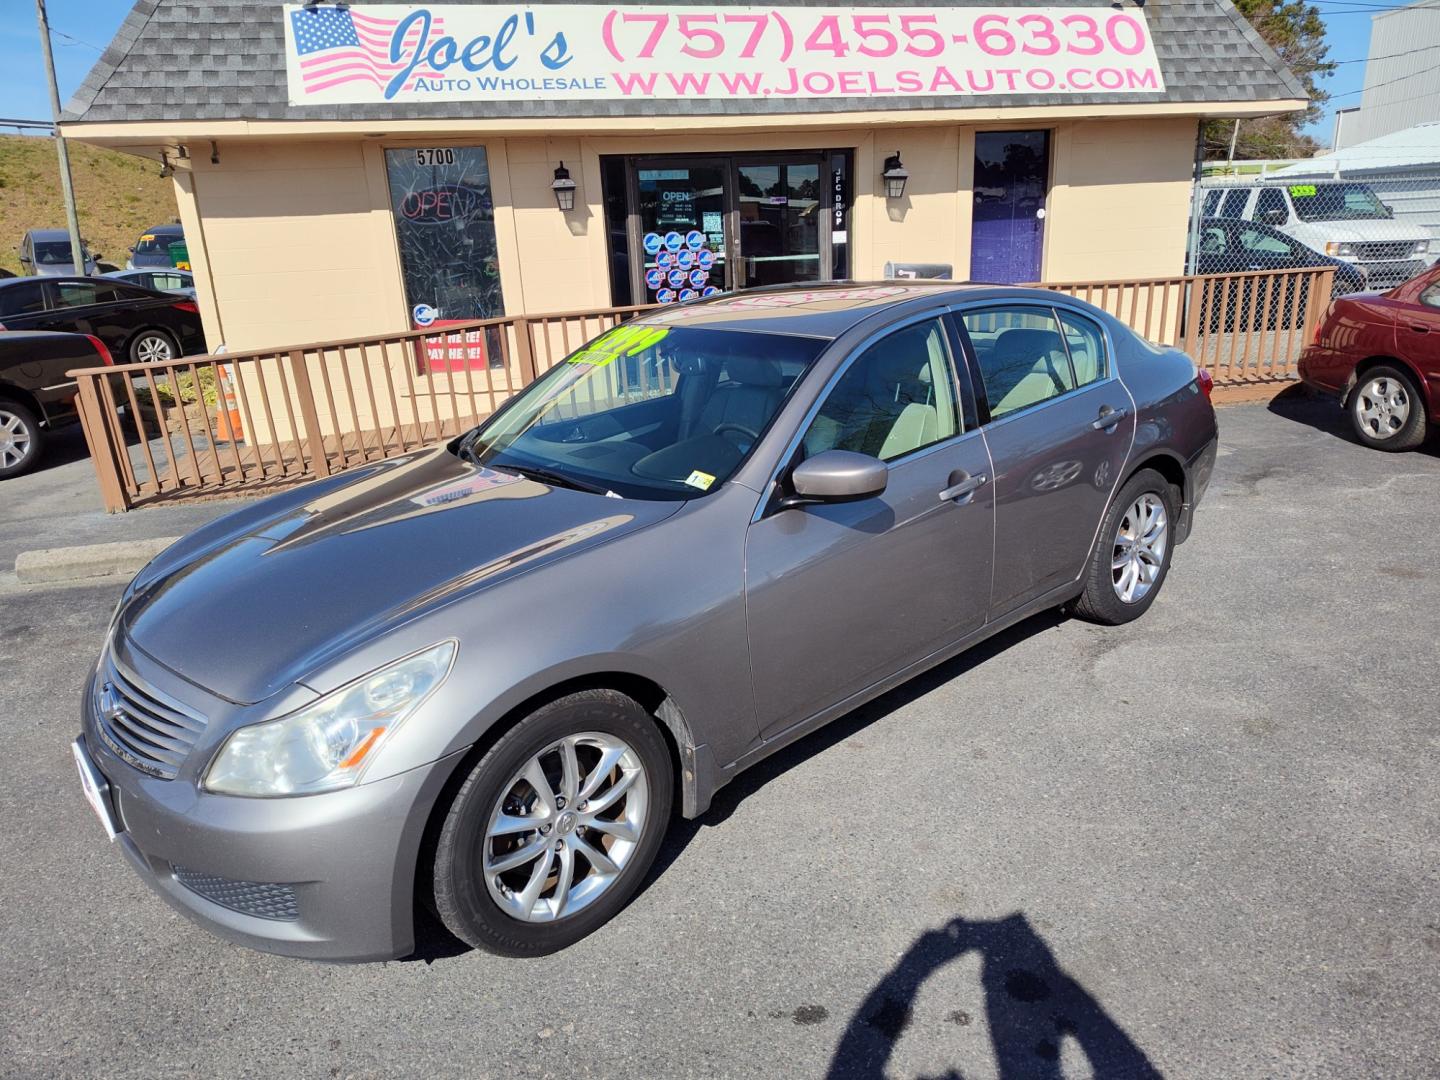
(1108, 418)
(1420, 328)
(964, 488)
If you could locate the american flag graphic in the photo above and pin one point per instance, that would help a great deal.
(338, 46)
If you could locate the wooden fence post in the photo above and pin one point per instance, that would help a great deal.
(99, 439)
(525, 351)
(314, 442)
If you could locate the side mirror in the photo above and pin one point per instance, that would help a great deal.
(836, 476)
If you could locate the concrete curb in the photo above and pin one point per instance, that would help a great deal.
(90, 561)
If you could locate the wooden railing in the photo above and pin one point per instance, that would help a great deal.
(247, 422)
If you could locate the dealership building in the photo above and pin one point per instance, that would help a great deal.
(356, 170)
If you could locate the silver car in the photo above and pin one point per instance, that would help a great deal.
(484, 675)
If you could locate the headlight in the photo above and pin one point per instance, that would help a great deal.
(1422, 247)
(1340, 248)
(327, 744)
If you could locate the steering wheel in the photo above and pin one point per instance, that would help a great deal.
(753, 435)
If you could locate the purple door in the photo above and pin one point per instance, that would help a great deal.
(1012, 175)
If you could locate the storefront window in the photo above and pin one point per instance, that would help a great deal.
(682, 222)
(445, 225)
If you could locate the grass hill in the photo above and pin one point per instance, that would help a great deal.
(117, 195)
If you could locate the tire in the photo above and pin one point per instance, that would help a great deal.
(22, 439)
(153, 347)
(1386, 410)
(469, 898)
(1117, 556)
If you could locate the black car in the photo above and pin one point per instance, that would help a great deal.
(137, 325)
(35, 394)
(1236, 246)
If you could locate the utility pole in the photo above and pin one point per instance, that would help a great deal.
(1234, 136)
(67, 188)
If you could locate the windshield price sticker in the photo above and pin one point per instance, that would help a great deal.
(622, 341)
(701, 480)
(587, 52)
(1302, 191)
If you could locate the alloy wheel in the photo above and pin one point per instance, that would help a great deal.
(565, 827)
(14, 439)
(1382, 407)
(1139, 549)
(153, 349)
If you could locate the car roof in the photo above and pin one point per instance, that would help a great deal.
(827, 310)
(171, 228)
(48, 234)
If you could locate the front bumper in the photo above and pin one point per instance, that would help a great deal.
(327, 877)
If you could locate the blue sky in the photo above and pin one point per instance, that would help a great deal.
(94, 22)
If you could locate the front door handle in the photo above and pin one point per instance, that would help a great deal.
(964, 487)
(1108, 418)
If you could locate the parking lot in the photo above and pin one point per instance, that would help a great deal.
(1203, 844)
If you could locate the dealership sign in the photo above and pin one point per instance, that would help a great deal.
(411, 53)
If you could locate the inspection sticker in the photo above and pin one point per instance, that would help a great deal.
(701, 480)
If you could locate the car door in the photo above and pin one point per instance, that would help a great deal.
(1060, 425)
(22, 305)
(839, 596)
(1417, 335)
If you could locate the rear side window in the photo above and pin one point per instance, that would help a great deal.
(1022, 356)
(81, 293)
(1087, 347)
(1212, 201)
(1234, 204)
(23, 299)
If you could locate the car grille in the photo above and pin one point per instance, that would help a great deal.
(1387, 249)
(148, 729)
(254, 898)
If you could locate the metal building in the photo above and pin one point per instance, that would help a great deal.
(1402, 76)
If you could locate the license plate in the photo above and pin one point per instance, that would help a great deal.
(97, 791)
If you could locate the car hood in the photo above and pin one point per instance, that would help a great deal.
(248, 607)
(1364, 232)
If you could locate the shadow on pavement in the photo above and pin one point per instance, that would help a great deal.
(1031, 1007)
(1300, 405)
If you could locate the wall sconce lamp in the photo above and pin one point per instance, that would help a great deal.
(214, 152)
(894, 176)
(166, 169)
(564, 189)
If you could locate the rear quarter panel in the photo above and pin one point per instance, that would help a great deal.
(1354, 329)
(36, 366)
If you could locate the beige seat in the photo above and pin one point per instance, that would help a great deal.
(1026, 367)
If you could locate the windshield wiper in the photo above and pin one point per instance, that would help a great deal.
(550, 476)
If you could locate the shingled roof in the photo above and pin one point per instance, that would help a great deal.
(225, 60)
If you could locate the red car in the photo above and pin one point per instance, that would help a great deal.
(1380, 352)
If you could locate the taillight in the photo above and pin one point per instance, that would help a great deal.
(2, 326)
(1205, 381)
(100, 348)
(188, 306)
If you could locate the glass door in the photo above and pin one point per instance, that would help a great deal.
(682, 207)
(780, 205)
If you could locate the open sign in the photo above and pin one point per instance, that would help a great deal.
(447, 202)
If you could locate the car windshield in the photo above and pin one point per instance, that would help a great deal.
(55, 252)
(155, 244)
(646, 411)
(1337, 202)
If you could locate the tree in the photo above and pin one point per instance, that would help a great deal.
(1296, 32)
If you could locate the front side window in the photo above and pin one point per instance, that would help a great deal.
(896, 397)
(1256, 242)
(1022, 356)
(1430, 296)
(645, 411)
(1271, 207)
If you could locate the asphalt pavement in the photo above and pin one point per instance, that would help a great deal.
(1206, 844)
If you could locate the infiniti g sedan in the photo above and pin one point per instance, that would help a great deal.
(482, 677)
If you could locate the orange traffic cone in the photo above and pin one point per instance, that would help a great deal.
(228, 416)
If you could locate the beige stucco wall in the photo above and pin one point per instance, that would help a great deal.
(295, 242)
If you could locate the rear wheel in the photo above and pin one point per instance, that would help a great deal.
(21, 439)
(1132, 553)
(1386, 410)
(153, 347)
(555, 827)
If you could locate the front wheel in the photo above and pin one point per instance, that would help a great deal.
(555, 827)
(1132, 552)
(1386, 410)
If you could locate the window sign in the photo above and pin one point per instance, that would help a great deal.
(445, 225)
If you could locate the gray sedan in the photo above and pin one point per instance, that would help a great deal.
(483, 676)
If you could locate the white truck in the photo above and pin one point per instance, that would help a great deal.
(1344, 219)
